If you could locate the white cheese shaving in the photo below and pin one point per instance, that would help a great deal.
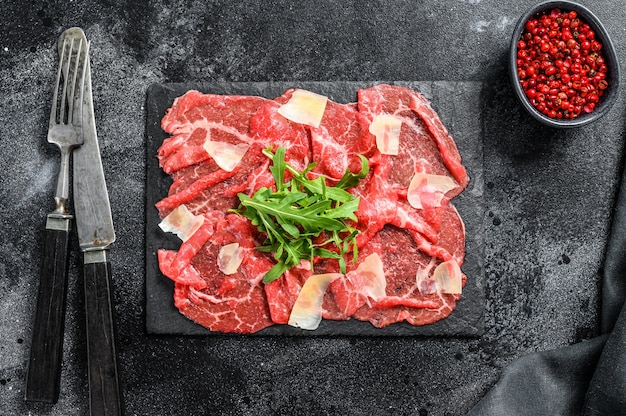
(229, 258)
(447, 278)
(181, 222)
(369, 277)
(426, 189)
(304, 107)
(386, 128)
(226, 155)
(307, 310)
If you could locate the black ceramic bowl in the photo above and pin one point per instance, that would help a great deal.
(608, 52)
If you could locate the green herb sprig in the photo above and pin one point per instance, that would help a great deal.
(299, 211)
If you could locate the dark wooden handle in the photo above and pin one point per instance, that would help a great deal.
(44, 367)
(104, 388)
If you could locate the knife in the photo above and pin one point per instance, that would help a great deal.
(94, 225)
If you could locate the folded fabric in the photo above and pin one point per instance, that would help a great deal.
(607, 391)
(588, 378)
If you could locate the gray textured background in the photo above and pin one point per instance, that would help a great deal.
(549, 196)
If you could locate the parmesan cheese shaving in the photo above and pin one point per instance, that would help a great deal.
(369, 277)
(447, 278)
(429, 190)
(229, 258)
(226, 155)
(386, 128)
(307, 310)
(181, 222)
(304, 107)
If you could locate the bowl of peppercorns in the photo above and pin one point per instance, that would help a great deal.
(563, 65)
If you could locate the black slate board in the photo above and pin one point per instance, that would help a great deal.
(459, 104)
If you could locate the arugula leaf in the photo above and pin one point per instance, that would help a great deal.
(300, 211)
(291, 229)
(310, 223)
(346, 210)
(278, 168)
(350, 180)
(275, 272)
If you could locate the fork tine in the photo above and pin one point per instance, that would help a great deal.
(65, 79)
(72, 92)
(55, 97)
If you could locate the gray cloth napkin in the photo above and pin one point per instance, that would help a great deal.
(588, 378)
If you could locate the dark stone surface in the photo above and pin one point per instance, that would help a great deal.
(549, 196)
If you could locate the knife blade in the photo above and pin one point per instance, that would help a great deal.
(94, 225)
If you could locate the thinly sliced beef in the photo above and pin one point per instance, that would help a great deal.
(404, 238)
(343, 298)
(339, 140)
(193, 119)
(188, 153)
(270, 129)
(425, 145)
(401, 260)
(194, 194)
(377, 204)
(282, 293)
(225, 303)
(341, 136)
(450, 241)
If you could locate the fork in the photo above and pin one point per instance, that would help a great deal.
(65, 131)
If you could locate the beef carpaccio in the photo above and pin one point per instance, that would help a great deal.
(409, 243)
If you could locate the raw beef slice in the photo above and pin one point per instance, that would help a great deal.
(225, 303)
(193, 119)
